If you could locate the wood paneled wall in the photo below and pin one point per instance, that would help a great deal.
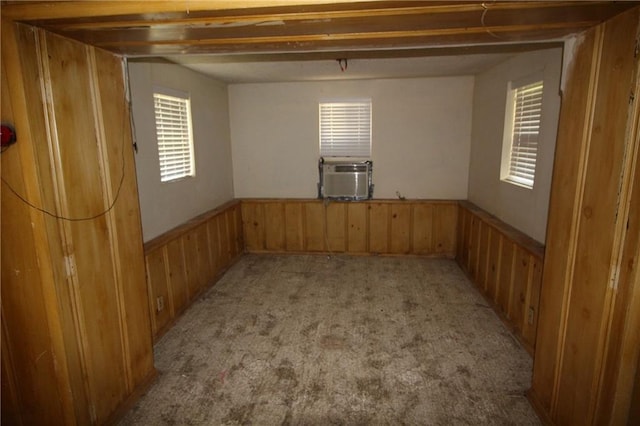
(588, 342)
(185, 261)
(368, 227)
(505, 265)
(76, 347)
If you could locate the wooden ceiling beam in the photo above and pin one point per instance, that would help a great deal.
(259, 26)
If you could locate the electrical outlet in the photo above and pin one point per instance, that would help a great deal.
(160, 303)
(530, 317)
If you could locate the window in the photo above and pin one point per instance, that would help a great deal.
(345, 129)
(174, 134)
(522, 128)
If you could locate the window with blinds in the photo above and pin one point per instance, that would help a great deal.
(524, 111)
(174, 134)
(345, 129)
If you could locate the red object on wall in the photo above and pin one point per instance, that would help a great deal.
(8, 135)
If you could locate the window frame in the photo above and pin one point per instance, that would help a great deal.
(342, 149)
(185, 98)
(509, 138)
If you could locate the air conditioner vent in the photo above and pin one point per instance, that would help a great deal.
(345, 180)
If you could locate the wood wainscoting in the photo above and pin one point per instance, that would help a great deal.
(505, 265)
(188, 259)
(407, 227)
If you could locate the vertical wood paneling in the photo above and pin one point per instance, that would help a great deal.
(400, 237)
(76, 132)
(483, 257)
(215, 250)
(357, 227)
(336, 214)
(378, 228)
(158, 286)
(520, 284)
(507, 266)
(506, 269)
(274, 217)
(24, 308)
(195, 256)
(294, 231)
(205, 271)
(119, 158)
(530, 322)
(423, 229)
(568, 167)
(444, 228)
(590, 292)
(314, 230)
(253, 226)
(190, 247)
(80, 167)
(224, 239)
(492, 282)
(178, 281)
(474, 247)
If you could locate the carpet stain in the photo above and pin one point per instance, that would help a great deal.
(333, 342)
(372, 387)
(239, 415)
(310, 328)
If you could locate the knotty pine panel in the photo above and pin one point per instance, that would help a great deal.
(378, 228)
(215, 245)
(521, 282)
(357, 234)
(492, 282)
(336, 217)
(197, 253)
(294, 230)
(86, 192)
(367, 227)
(158, 283)
(423, 229)
(400, 232)
(253, 226)
(599, 223)
(314, 229)
(178, 283)
(483, 257)
(444, 228)
(506, 265)
(274, 218)
(190, 247)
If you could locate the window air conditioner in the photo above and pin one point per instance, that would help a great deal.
(345, 180)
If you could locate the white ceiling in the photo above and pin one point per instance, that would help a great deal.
(329, 69)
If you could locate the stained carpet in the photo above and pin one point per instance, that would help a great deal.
(312, 340)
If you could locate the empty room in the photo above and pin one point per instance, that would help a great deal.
(320, 212)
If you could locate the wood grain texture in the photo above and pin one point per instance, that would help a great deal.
(222, 27)
(196, 254)
(386, 227)
(505, 265)
(587, 305)
(91, 284)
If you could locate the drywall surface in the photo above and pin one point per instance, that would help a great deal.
(420, 145)
(522, 208)
(166, 205)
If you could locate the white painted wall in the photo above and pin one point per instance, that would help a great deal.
(524, 209)
(166, 205)
(421, 136)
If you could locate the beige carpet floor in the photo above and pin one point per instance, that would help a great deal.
(317, 340)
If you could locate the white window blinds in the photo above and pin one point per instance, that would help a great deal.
(527, 112)
(345, 129)
(175, 142)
